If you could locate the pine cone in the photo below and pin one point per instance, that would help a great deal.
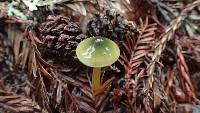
(60, 37)
(5, 57)
(113, 26)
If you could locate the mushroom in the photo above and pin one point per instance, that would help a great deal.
(97, 52)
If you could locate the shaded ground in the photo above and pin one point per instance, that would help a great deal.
(157, 72)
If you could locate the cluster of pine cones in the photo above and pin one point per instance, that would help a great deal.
(61, 36)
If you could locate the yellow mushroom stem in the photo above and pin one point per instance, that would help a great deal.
(96, 78)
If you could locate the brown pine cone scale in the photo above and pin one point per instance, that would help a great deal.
(60, 37)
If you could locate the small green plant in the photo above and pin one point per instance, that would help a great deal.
(12, 10)
(97, 52)
(33, 4)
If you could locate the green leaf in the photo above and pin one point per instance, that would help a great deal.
(13, 11)
(31, 5)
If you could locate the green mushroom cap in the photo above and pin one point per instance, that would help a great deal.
(97, 52)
